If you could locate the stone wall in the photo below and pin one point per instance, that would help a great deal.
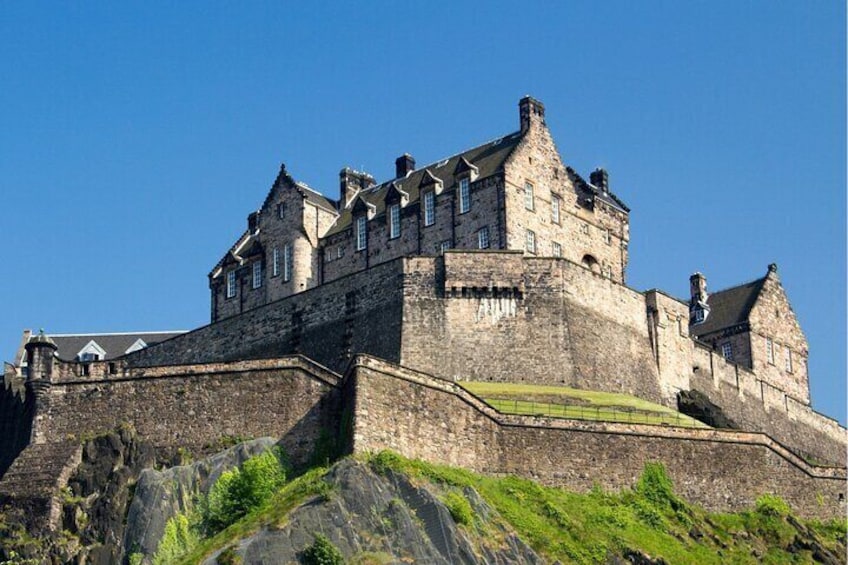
(16, 413)
(359, 313)
(755, 405)
(508, 318)
(424, 417)
(196, 407)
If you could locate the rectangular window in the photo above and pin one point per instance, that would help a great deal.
(770, 350)
(699, 315)
(429, 208)
(444, 246)
(231, 284)
(529, 199)
(257, 274)
(361, 233)
(788, 360)
(727, 351)
(275, 263)
(557, 249)
(288, 261)
(608, 236)
(584, 228)
(530, 241)
(281, 210)
(464, 196)
(555, 205)
(394, 221)
(483, 238)
(607, 271)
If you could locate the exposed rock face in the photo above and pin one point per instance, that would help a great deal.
(697, 405)
(160, 495)
(389, 518)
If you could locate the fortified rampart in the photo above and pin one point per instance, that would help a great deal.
(502, 316)
(425, 417)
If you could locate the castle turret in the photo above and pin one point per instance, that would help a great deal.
(40, 350)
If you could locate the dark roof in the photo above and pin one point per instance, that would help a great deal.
(488, 158)
(115, 344)
(729, 307)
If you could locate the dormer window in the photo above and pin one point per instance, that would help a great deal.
(464, 195)
(699, 315)
(529, 198)
(85, 357)
(231, 284)
(394, 221)
(257, 274)
(361, 233)
(429, 208)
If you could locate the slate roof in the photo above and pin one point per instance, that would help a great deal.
(729, 307)
(115, 344)
(488, 158)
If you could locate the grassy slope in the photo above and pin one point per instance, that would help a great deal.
(584, 528)
(565, 402)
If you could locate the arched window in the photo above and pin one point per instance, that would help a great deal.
(591, 263)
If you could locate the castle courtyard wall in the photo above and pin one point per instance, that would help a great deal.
(425, 417)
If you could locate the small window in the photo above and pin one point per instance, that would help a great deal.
(275, 263)
(231, 284)
(608, 236)
(530, 241)
(770, 350)
(529, 199)
(607, 271)
(726, 350)
(557, 249)
(699, 315)
(89, 357)
(556, 202)
(281, 210)
(444, 246)
(288, 261)
(429, 208)
(464, 196)
(483, 238)
(788, 360)
(257, 274)
(584, 228)
(394, 221)
(86, 370)
(361, 233)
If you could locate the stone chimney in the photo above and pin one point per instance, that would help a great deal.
(530, 111)
(253, 222)
(698, 308)
(350, 182)
(600, 179)
(404, 165)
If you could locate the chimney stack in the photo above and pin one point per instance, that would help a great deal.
(350, 182)
(404, 165)
(698, 307)
(530, 111)
(600, 179)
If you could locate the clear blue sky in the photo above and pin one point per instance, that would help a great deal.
(136, 138)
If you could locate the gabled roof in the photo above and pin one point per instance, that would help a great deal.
(598, 194)
(729, 307)
(113, 345)
(488, 158)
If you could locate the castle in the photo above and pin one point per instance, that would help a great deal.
(358, 319)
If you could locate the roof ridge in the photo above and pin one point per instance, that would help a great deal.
(100, 334)
(758, 280)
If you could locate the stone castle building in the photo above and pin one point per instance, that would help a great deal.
(511, 193)
(358, 318)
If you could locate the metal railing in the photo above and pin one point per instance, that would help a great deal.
(593, 413)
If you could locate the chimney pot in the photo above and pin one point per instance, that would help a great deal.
(404, 165)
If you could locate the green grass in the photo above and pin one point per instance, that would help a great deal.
(569, 527)
(572, 403)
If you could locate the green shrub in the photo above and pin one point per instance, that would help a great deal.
(240, 490)
(459, 508)
(322, 552)
(385, 461)
(772, 505)
(178, 539)
(656, 486)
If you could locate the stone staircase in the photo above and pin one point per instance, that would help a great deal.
(33, 481)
